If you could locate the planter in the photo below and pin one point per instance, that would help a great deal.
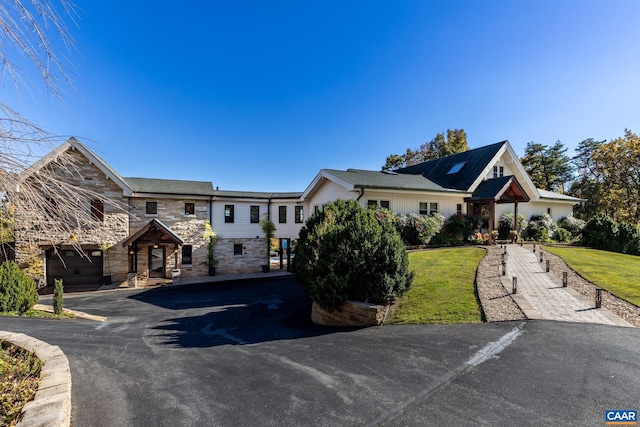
(212, 271)
(351, 313)
(265, 268)
(106, 279)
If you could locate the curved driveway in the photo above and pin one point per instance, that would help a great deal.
(246, 354)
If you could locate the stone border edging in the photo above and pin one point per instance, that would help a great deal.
(51, 405)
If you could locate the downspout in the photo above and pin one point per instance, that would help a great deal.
(211, 198)
(361, 194)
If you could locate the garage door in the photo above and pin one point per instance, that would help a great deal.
(74, 269)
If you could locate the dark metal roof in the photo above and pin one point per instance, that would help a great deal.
(475, 161)
(170, 186)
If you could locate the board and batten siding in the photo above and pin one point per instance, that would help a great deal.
(329, 191)
(242, 227)
(407, 202)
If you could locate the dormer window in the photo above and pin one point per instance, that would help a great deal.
(456, 168)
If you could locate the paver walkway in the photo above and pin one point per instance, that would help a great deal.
(541, 295)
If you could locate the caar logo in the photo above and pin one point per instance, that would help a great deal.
(620, 417)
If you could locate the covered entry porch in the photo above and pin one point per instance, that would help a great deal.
(491, 192)
(153, 252)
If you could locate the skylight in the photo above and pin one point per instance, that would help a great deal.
(456, 168)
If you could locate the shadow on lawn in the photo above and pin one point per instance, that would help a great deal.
(234, 314)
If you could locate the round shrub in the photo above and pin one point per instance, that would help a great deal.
(18, 291)
(541, 228)
(418, 229)
(572, 224)
(346, 252)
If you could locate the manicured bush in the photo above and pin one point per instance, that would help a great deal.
(541, 228)
(345, 252)
(563, 236)
(58, 292)
(572, 224)
(418, 229)
(18, 291)
(457, 230)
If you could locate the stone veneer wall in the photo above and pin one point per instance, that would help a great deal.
(190, 228)
(114, 228)
(254, 255)
(351, 313)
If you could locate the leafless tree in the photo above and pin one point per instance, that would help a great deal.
(47, 198)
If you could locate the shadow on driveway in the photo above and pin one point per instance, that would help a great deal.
(233, 314)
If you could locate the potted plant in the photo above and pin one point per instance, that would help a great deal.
(210, 238)
(269, 229)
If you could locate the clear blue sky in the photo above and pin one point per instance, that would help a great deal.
(262, 95)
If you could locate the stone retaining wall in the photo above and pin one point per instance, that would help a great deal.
(51, 405)
(351, 313)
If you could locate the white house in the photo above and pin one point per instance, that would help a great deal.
(162, 227)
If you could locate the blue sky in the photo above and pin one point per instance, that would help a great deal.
(262, 95)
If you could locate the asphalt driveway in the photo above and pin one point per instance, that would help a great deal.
(246, 354)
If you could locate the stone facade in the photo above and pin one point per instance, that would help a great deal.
(190, 228)
(351, 313)
(251, 260)
(31, 237)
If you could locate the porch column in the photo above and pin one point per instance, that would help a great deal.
(515, 216)
(492, 217)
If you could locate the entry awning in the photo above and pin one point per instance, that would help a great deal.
(505, 189)
(155, 232)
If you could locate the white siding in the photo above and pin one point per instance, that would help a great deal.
(409, 202)
(328, 192)
(242, 227)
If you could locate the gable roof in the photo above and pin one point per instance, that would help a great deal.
(154, 231)
(73, 144)
(470, 165)
(504, 189)
(170, 186)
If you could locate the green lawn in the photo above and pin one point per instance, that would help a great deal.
(617, 273)
(443, 289)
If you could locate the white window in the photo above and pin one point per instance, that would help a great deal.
(374, 204)
(498, 171)
(428, 208)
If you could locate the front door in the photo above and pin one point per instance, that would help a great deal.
(156, 262)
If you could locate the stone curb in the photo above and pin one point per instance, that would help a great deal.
(51, 405)
(78, 314)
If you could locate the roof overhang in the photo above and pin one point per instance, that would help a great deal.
(499, 190)
(155, 232)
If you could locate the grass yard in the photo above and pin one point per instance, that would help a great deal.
(614, 272)
(443, 290)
